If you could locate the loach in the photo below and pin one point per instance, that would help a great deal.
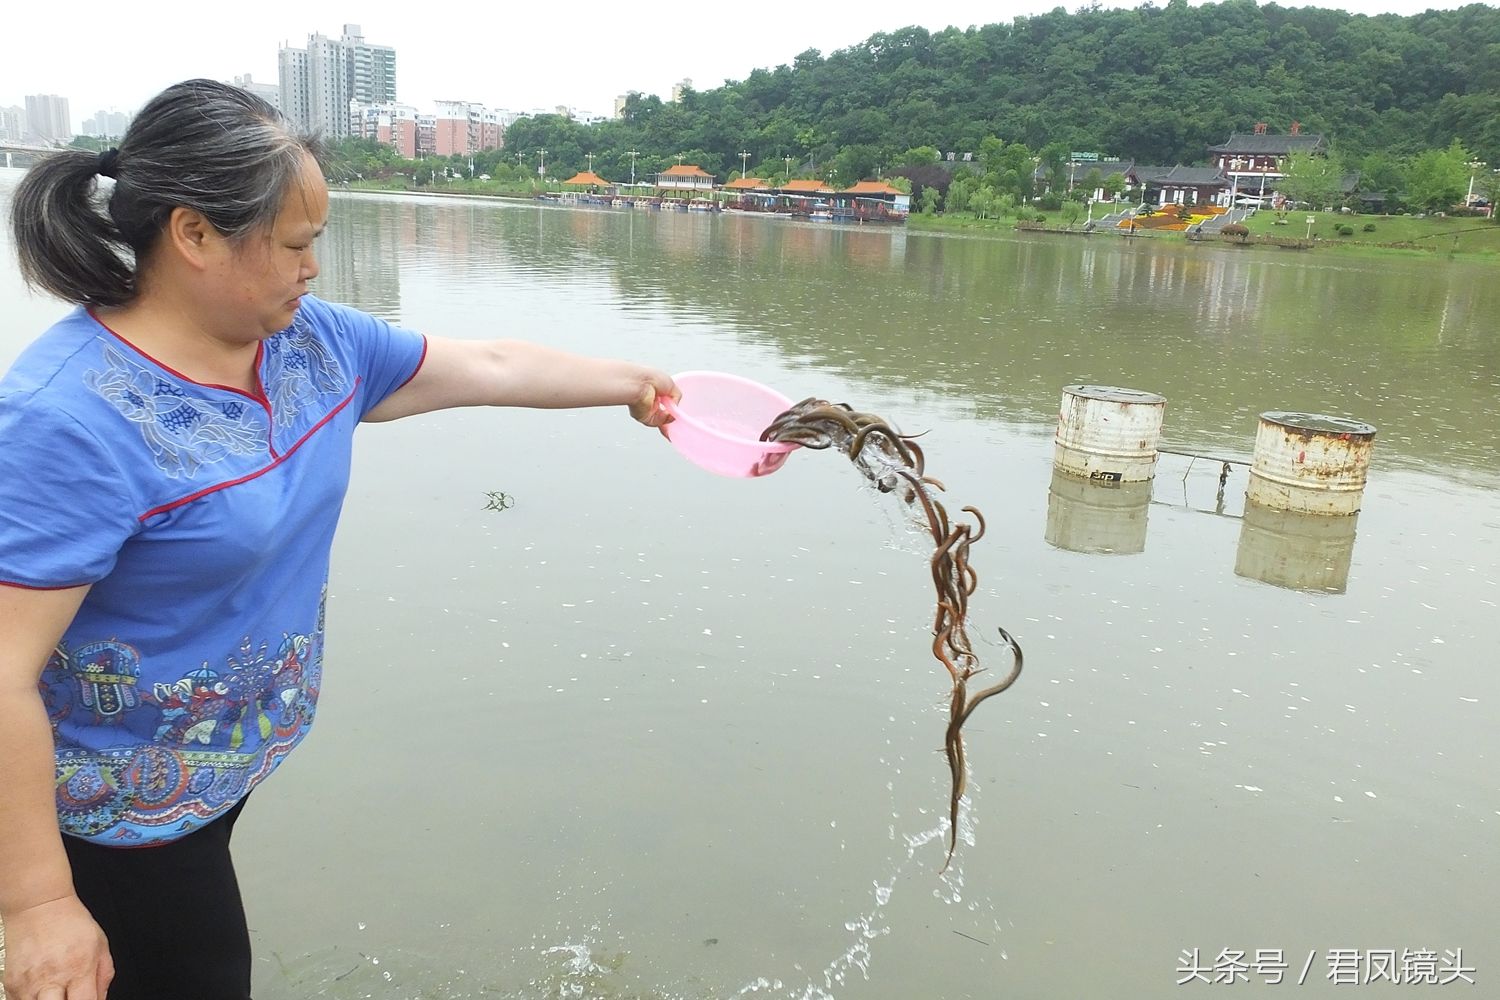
(893, 461)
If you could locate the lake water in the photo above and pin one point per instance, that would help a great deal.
(650, 733)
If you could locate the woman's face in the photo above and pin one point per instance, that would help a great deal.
(268, 273)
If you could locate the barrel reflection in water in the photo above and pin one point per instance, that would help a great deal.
(1086, 515)
(1295, 550)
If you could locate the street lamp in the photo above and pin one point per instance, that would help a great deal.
(744, 162)
(541, 171)
(632, 154)
(1310, 220)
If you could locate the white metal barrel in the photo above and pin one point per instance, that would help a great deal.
(1295, 551)
(1093, 516)
(1108, 433)
(1309, 463)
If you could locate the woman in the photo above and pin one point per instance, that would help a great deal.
(173, 455)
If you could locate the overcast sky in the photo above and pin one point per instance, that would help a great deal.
(519, 56)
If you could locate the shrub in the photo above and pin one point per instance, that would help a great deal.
(1346, 230)
(1368, 227)
(1040, 217)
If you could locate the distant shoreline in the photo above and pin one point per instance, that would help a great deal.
(492, 196)
(978, 227)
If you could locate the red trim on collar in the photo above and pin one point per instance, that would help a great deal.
(164, 508)
(259, 353)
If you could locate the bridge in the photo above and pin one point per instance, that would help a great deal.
(11, 149)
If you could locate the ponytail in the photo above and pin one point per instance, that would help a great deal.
(65, 244)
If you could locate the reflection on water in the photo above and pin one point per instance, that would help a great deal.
(1224, 334)
(1094, 516)
(1298, 551)
(358, 261)
(646, 708)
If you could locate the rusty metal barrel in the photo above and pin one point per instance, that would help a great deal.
(1107, 433)
(1309, 463)
(1295, 551)
(1097, 516)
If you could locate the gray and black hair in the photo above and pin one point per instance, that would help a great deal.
(200, 144)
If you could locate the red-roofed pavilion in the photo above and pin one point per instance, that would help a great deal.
(686, 177)
(586, 177)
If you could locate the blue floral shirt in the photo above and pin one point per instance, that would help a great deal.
(203, 516)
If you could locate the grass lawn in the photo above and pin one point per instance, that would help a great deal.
(1447, 235)
(1471, 238)
(959, 221)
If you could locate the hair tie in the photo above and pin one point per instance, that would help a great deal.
(105, 165)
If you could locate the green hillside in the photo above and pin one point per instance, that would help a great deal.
(1153, 84)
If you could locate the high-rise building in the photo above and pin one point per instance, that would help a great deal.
(107, 124)
(327, 87)
(13, 123)
(372, 68)
(47, 117)
(319, 82)
(268, 92)
(679, 88)
(291, 71)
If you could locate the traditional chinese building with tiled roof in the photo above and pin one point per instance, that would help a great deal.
(1255, 161)
(872, 188)
(1179, 185)
(685, 177)
(804, 187)
(875, 200)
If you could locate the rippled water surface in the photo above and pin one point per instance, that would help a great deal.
(651, 733)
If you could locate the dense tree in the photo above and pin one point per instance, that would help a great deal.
(1439, 177)
(1310, 179)
(1487, 186)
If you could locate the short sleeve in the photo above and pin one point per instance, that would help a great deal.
(386, 356)
(65, 505)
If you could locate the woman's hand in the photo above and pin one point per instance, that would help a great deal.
(55, 951)
(647, 407)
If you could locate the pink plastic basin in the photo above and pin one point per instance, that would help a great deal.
(718, 422)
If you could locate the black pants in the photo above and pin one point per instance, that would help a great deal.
(172, 914)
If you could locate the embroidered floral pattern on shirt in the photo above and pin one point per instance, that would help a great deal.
(299, 368)
(184, 433)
